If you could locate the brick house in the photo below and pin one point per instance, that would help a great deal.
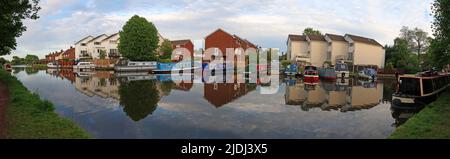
(67, 58)
(187, 44)
(221, 40)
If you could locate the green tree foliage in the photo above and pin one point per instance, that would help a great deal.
(401, 56)
(311, 31)
(3, 61)
(102, 54)
(30, 59)
(166, 49)
(18, 61)
(440, 46)
(138, 98)
(418, 40)
(12, 12)
(139, 40)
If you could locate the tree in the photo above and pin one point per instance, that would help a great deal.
(139, 40)
(30, 59)
(440, 46)
(17, 61)
(311, 31)
(12, 13)
(166, 49)
(418, 39)
(3, 61)
(102, 54)
(138, 98)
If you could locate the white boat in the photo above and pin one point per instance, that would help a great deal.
(84, 66)
(342, 70)
(52, 65)
(368, 73)
(136, 66)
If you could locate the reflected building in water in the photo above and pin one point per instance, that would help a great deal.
(334, 96)
(102, 84)
(219, 94)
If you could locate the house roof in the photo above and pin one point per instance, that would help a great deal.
(96, 38)
(297, 37)
(363, 40)
(316, 37)
(180, 42)
(83, 39)
(69, 51)
(335, 37)
(245, 41)
(109, 37)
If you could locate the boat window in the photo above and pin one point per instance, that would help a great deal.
(427, 86)
(409, 86)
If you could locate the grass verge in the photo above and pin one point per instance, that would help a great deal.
(433, 122)
(29, 117)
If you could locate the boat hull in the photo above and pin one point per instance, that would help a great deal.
(411, 102)
(311, 79)
(342, 74)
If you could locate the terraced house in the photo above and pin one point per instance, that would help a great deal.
(327, 50)
(90, 47)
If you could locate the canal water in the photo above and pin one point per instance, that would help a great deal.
(111, 105)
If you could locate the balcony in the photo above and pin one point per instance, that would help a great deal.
(113, 55)
(85, 56)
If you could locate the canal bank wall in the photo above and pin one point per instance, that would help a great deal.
(433, 122)
(29, 117)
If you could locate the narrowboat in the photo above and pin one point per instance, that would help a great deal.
(181, 67)
(328, 74)
(52, 65)
(311, 74)
(8, 67)
(418, 90)
(342, 70)
(291, 70)
(84, 66)
(135, 66)
(368, 74)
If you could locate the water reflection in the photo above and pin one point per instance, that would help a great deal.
(343, 95)
(140, 105)
(140, 98)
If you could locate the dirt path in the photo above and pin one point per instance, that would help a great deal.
(4, 97)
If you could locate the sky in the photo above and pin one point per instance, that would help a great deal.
(266, 23)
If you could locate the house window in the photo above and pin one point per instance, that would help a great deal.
(329, 55)
(97, 43)
(112, 41)
(83, 44)
(83, 52)
(350, 56)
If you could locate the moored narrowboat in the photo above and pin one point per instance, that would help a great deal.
(311, 74)
(342, 70)
(328, 74)
(418, 90)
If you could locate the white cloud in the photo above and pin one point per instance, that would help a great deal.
(266, 22)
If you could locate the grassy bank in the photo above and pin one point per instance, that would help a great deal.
(433, 122)
(30, 117)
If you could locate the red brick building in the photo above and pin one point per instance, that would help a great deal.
(67, 58)
(187, 44)
(222, 40)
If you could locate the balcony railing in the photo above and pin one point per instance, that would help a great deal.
(85, 56)
(113, 55)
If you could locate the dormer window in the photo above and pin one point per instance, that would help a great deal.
(97, 43)
(83, 44)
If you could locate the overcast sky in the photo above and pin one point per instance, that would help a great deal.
(264, 22)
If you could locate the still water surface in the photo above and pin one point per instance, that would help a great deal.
(110, 105)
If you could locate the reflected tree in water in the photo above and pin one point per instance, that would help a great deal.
(166, 87)
(139, 98)
(31, 71)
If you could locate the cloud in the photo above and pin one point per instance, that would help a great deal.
(266, 23)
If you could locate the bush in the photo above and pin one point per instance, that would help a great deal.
(165, 60)
(285, 63)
